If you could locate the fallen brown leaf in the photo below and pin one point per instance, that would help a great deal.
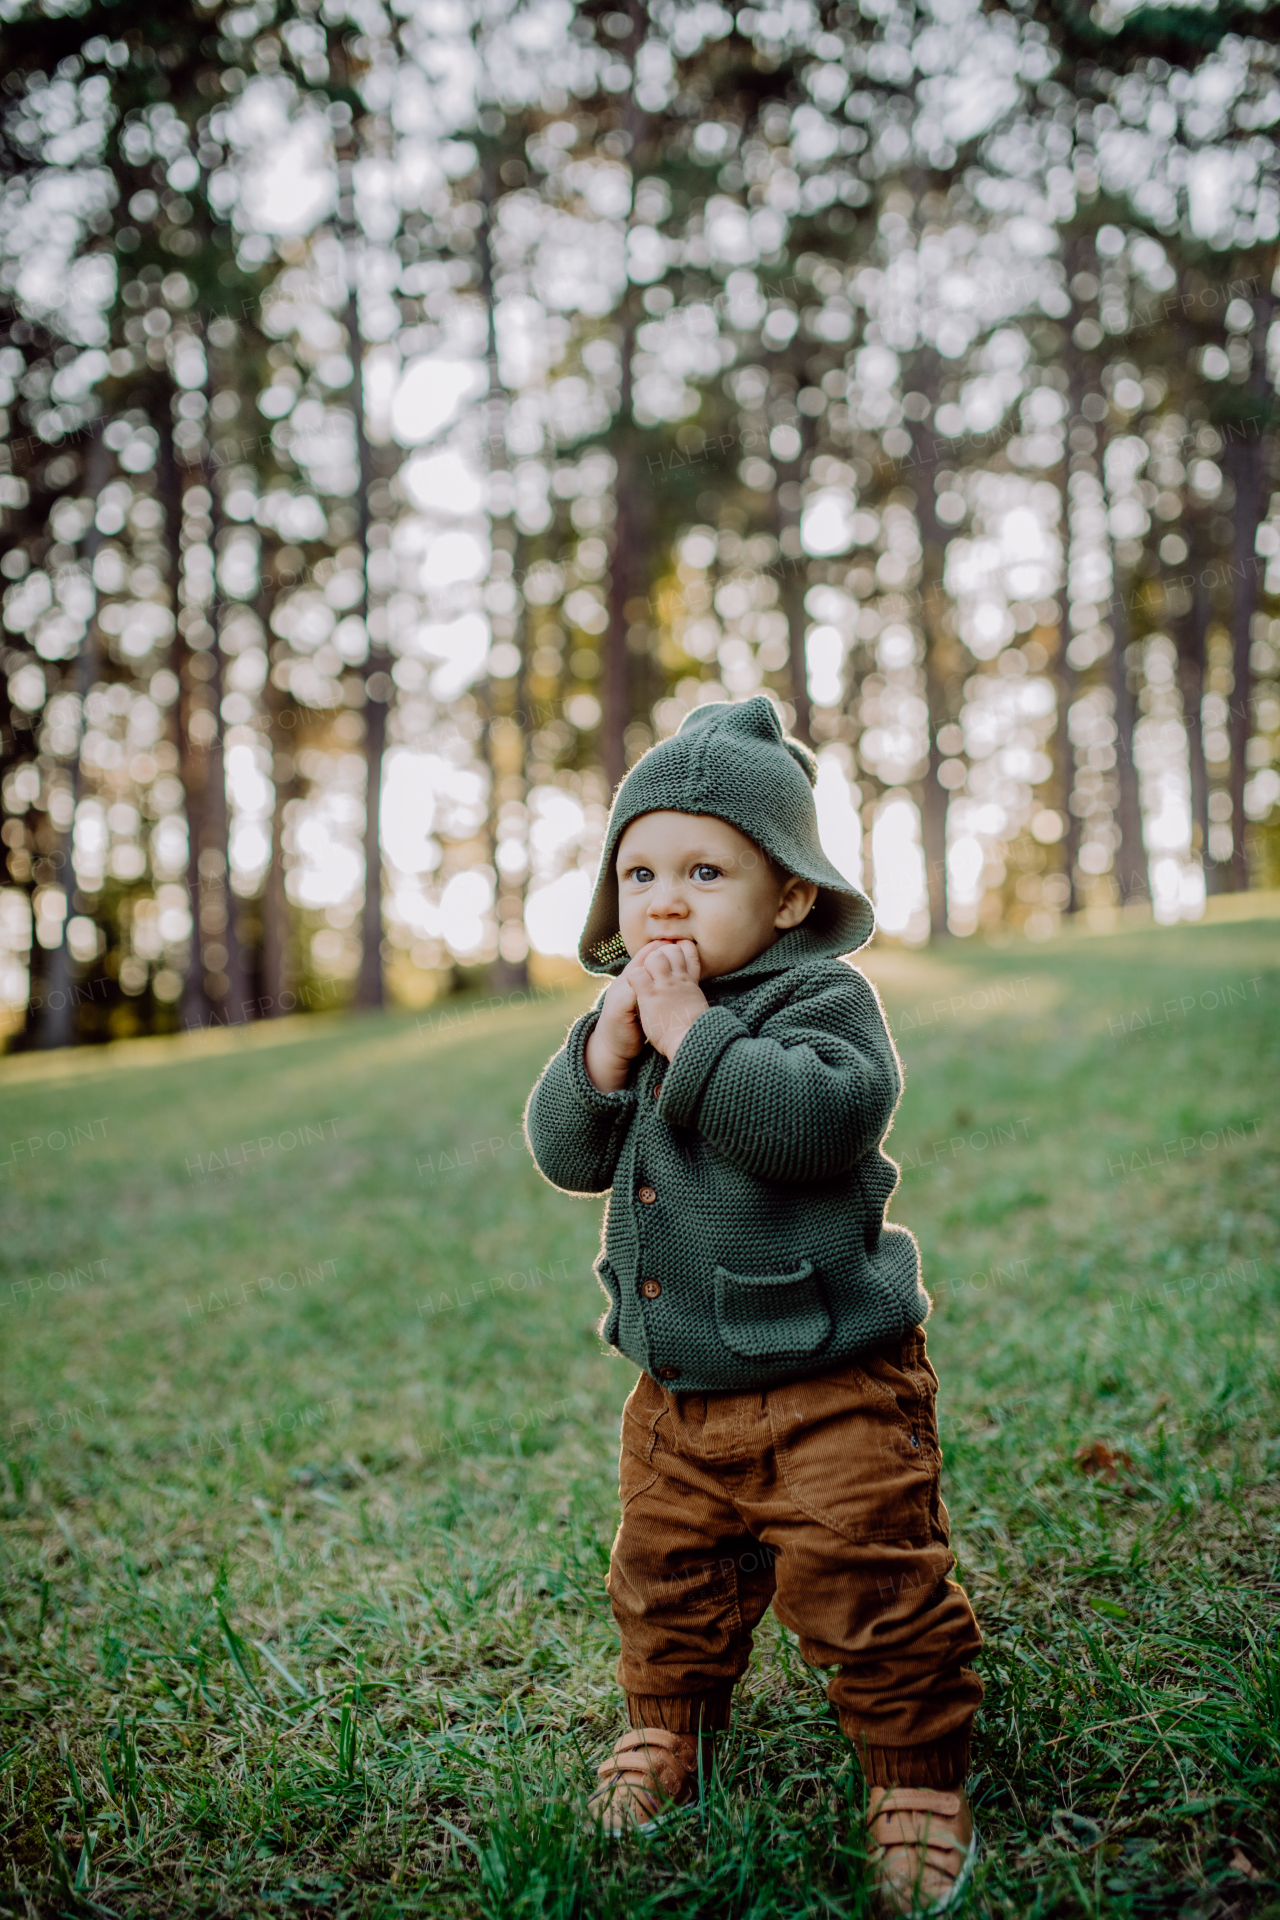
(1098, 1457)
(1241, 1863)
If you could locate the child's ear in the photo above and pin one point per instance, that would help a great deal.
(796, 903)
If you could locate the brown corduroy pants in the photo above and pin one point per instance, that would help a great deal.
(821, 1496)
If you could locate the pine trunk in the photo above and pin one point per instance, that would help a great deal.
(59, 1017)
(1192, 632)
(275, 903)
(939, 667)
(369, 988)
(235, 1007)
(1064, 762)
(1245, 463)
(195, 1008)
(628, 577)
(509, 975)
(1066, 676)
(786, 528)
(1131, 857)
(615, 677)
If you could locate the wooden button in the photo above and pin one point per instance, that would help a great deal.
(657, 1088)
(651, 1289)
(668, 1373)
(647, 1196)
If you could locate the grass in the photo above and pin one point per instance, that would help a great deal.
(302, 1581)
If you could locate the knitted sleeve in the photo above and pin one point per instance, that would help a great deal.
(575, 1132)
(805, 1098)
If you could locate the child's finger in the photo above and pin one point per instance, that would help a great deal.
(688, 951)
(647, 951)
(675, 961)
(678, 960)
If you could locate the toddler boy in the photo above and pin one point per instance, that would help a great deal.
(730, 1092)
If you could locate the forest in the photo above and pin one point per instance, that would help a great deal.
(412, 411)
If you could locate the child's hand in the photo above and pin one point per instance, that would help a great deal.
(664, 977)
(656, 998)
(617, 1036)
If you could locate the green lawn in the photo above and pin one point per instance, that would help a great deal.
(310, 1466)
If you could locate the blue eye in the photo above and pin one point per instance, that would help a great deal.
(705, 871)
(641, 874)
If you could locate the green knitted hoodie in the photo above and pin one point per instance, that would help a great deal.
(744, 1239)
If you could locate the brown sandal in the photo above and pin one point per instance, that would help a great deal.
(922, 1847)
(650, 1775)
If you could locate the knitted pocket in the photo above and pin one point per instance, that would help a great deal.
(772, 1316)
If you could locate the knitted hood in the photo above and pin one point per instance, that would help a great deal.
(734, 762)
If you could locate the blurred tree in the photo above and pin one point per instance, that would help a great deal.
(1250, 453)
(806, 339)
(58, 1028)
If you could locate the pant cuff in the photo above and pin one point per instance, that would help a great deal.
(682, 1712)
(941, 1764)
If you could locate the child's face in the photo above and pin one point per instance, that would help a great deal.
(689, 876)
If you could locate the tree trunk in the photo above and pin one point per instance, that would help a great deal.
(625, 577)
(377, 694)
(786, 529)
(275, 902)
(510, 975)
(18, 735)
(933, 809)
(1193, 633)
(1067, 678)
(369, 980)
(195, 1007)
(378, 685)
(1192, 630)
(1064, 761)
(59, 1019)
(615, 677)
(939, 668)
(202, 771)
(217, 813)
(1131, 857)
(794, 611)
(1246, 465)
